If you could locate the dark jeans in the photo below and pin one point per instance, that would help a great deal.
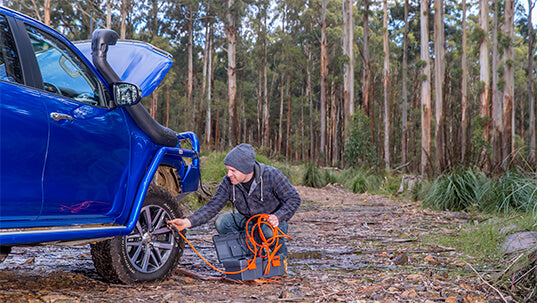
(235, 222)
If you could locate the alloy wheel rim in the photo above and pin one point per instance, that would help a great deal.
(151, 243)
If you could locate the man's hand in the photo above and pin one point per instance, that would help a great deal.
(273, 220)
(181, 224)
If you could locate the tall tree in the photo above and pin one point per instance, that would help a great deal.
(324, 73)
(207, 79)
(231, 34)
(497, 103)
(123, 23)
(190, 83)
(439, 84)
(509, 80)
(531, 96)
(404, 115)
(464, 90)
(386, 83)
(425, 89)
(348, 69)
(368, 102)
(46, 10)
(484, 68)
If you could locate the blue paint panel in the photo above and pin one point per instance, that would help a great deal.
(87, 161)
(23, 143)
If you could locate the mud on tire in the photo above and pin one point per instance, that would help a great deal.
(150, 252)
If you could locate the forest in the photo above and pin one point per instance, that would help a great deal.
(422, 87)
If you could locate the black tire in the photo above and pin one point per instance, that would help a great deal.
(150, 252)
(4, 251)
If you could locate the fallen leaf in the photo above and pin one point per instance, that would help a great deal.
(451, 299)
(414, 277)
(471, 298)
(189, 280)
(430, 259)
(466, 286)
(411, 293)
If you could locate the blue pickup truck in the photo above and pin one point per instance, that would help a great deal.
(79, 154)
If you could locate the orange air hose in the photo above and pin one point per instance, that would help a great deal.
(253, 246)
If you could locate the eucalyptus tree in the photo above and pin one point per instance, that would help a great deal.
(508, 74)
(425, 89)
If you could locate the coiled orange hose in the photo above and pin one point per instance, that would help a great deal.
(253, 246)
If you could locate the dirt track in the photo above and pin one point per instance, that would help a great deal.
(344, 248)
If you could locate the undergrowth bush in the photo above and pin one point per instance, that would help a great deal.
(516, 192)
(313, 176)
(456, 191)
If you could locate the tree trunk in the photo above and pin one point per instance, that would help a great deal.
(484, 69)
(287, 139)
(386, 87)
(310, 100)
(366, 73)
(208, 120)
(46, 11)
(333, 123)
(266, 113)
(108, 14)
(324, 73)
(464, 91)
(509, 76)
(280, 125)
(531, 97)
(167, 105)
(191, 65)
(404, 114)
(231, 34)
(348, 74)
(154, 101)
(497, 104)
(123, 25)
(425, 90)
(438, 85)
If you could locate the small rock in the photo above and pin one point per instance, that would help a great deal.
(377, 297)
(285, 294)
(401, 259)
(519, 241)
(189, 280)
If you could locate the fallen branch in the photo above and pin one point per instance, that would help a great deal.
(395, 251)
(488, 284)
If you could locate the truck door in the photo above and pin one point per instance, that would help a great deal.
(23, 137)
(86, 171)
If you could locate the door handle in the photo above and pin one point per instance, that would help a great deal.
(59, 117)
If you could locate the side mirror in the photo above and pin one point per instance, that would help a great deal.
(126, 94)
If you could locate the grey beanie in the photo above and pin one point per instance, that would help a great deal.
(242, 158)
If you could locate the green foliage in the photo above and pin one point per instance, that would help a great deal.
(421, 190)
(481, 242)
(456, 191)
(359, 150)
(330, 177)
(212, 167)
(313, 176)
(516, 192)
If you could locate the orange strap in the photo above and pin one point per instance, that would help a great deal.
(253, 246)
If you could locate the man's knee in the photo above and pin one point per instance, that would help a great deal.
(225, 223)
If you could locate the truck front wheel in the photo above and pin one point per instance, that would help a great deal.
(149, 252)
